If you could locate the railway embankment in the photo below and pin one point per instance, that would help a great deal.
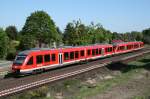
(129, 80)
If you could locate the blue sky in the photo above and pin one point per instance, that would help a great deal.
(115, 15)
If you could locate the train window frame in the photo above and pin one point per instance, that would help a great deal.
(111, 49)
(53, 57)
(107, 49)
(39, 59)
(128, 47)
(88, 52)
(93, 52)
(96, 51)
(82, 53)
(71, 55)
(76, 54)
(47, 59)
(136, 46)
(100, 50)
(66, 55)
(121, 47)
(30, 61)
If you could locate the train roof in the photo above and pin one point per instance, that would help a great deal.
(121, 43)
(26, 52)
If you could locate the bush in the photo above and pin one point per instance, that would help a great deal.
(12, 49)
(3, 44)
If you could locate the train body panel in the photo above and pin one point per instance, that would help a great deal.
(30, 61)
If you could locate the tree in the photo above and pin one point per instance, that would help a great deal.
(60, 41)
(11, 32)
(41, 27)
(146, 35)
(3, 44)
(98, 34)
(26, 42)
(138, 36)
(69, 36)
(75, 33)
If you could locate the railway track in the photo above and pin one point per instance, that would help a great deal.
(12, 85)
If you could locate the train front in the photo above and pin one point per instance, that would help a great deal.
(18, 63)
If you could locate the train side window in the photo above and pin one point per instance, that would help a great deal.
(134, 45)
(128, 46)
(96, 51)
(53, 57)
(82, 53)
(76, 54)
(110, 49)
(30, 62)
(107, 49)
(39, 59)
(118, 48)
(100, 51)
(88, 52)
(71, 55)
(93, 52)
(66, 56)
(121, 48)
(47, 58)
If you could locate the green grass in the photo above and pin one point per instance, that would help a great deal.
(133, 68)
(141, 97)
(103, 86)
(146, 95)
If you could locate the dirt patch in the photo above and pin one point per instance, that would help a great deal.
(134, 87)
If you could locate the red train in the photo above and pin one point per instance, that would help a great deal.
(37, 60)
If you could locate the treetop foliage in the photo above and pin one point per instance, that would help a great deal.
(40, 25)
(146, 35)
(11, 32)
(76, 33)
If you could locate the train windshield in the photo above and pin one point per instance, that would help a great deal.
(19, 59)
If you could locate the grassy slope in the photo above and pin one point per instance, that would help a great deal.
(133, 69)
(75, 89)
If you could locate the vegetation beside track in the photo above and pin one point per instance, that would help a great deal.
(40, 30)
(95, 83)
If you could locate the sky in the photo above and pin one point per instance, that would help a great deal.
(114, 15)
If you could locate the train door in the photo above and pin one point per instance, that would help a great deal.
(60, 58)
(103, 51)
